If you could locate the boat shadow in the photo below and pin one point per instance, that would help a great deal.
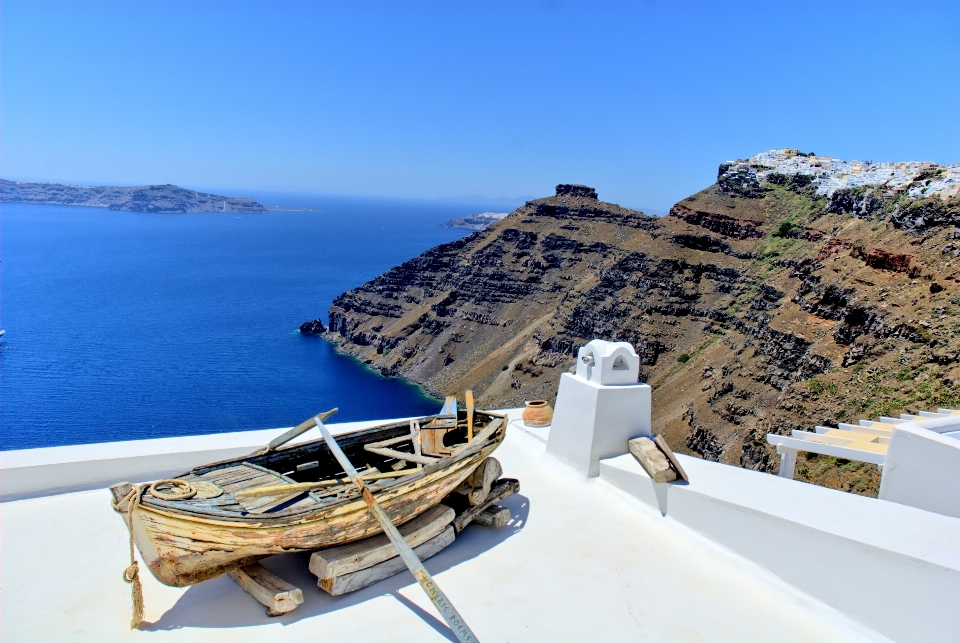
(220, 603)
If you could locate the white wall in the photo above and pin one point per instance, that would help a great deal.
(923, 469)
(30, 473)
(893, 567)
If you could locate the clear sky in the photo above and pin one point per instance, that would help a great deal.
(641, 100)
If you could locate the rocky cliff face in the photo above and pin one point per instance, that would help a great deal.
(757, 305)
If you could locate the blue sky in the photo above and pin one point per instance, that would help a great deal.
(436, 99)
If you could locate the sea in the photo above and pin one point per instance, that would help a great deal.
(126, 325)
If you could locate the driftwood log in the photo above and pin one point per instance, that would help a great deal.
(652, 459)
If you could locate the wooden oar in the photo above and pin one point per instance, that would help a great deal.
(297, 430)
(299, 487)
(469, 401)
(449, 613)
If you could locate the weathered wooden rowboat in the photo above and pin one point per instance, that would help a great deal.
(236, 514)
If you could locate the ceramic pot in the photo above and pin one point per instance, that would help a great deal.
(537, 413)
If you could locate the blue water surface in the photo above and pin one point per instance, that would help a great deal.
(123, 325)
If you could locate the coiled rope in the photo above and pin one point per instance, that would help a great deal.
(131, 574)
(181, 490)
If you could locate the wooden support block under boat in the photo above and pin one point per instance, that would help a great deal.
(278, 595)
(477, 487)
(494, 517)
(339, 585)
(502, 488)
(338, 561)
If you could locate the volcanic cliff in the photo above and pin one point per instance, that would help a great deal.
(788, 294)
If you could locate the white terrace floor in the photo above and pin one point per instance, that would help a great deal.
(579, 562)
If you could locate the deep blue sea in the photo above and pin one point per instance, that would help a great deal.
(124, 325)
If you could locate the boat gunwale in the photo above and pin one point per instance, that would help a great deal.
(305, 515)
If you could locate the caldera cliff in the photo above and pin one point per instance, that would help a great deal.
(797, 290)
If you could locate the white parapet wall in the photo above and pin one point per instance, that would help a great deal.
(923, 467)
(894, 567)
(32, 473)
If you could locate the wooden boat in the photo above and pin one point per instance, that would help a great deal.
(236, 514)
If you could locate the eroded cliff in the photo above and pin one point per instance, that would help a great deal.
(761, 304)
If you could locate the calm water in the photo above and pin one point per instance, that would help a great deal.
(123, 325)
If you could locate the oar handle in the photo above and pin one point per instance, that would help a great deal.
(303, 427)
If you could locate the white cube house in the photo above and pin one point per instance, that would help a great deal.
(600, 408)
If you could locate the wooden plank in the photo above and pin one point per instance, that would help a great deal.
(269, 589)
(668, 452)
(339, 585)
(259, 480)
(654, 462)
(399, 455)
(415, 438)
(502, 488)
(484, 434)
(390, 442)
(352, 557)
(300, 487)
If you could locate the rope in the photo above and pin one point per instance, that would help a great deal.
(132, 573)
(181, 490)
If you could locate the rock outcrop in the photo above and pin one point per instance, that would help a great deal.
(313, 327)
(757, 305)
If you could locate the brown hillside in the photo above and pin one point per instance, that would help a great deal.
(755, 308)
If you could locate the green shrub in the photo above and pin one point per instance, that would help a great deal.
(786, 229)
(504, 367)
(683, 358)
(816, 387)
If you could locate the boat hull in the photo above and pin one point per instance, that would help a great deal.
(182, 550)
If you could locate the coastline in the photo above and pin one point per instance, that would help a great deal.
(426, 392)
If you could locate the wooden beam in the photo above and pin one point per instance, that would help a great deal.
(494, 517)
(502, 488)
(400, 455)
(269, 589)
(339, 585)
(352, 557)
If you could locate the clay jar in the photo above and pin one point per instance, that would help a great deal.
(537, 413)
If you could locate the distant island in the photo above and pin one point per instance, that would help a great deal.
(148, 198)
(475, 221)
